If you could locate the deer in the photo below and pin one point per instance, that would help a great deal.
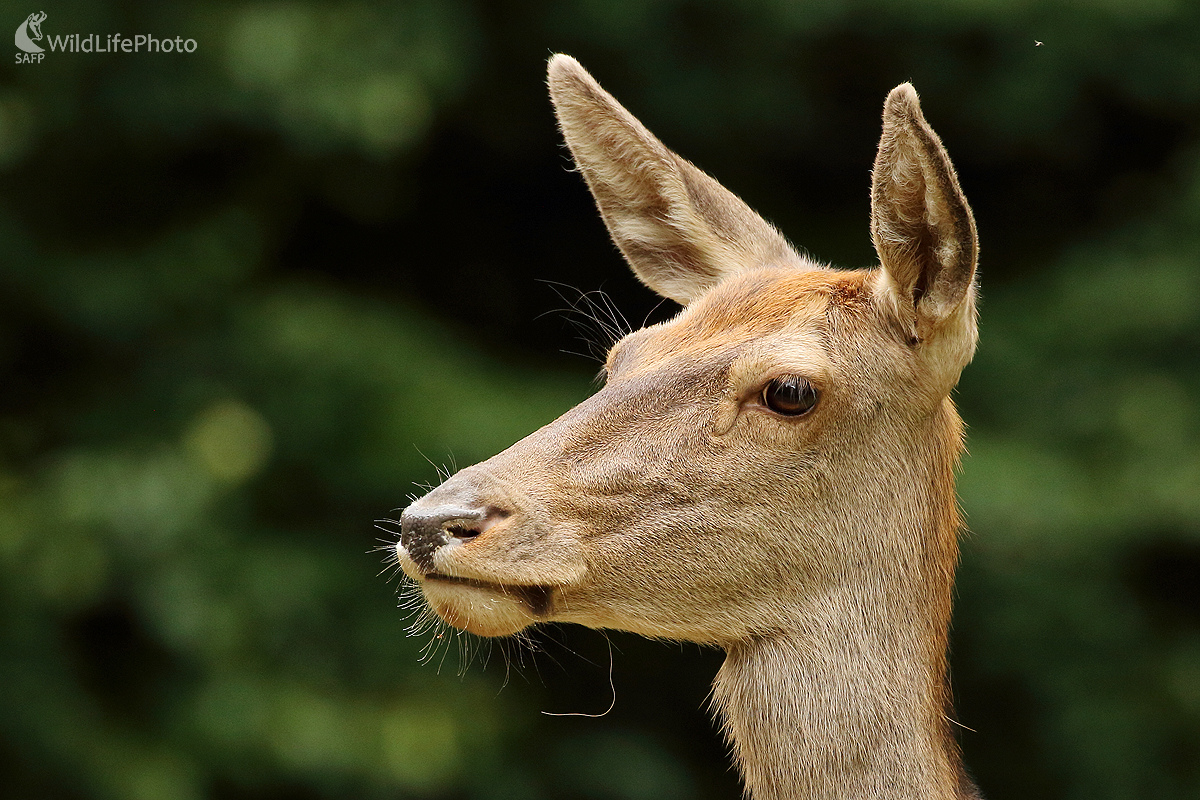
(771, 471)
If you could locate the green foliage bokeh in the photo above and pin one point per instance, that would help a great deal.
(246, 291)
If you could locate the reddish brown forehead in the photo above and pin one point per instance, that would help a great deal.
(762, 302)
(752, 305)
(769, 299)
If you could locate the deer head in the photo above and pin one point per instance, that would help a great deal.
(776, 460)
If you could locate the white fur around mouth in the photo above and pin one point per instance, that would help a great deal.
(536, 598)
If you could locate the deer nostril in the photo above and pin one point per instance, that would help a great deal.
(462, 531)
(423, 531)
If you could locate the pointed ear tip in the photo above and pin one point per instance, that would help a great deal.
(902, 100)
(562, 68)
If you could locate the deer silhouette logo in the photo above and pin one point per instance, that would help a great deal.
(30, 32)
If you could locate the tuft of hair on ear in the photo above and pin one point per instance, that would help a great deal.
(921, 225)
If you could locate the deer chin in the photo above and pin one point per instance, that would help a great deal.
(483, 608)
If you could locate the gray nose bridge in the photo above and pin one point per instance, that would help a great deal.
(623, 434)
(423, 531)
(612, 418)
(584, 445)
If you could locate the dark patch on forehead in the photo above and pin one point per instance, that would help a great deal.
(850, 290)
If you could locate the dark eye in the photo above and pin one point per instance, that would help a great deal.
(790, 396)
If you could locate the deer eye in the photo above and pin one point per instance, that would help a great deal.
(789, 395)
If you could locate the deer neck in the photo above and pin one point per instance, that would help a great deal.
(849, 698)
(812, 720)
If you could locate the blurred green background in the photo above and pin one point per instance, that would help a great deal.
(245, 292)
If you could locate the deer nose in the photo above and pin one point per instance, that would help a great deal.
(423, 531)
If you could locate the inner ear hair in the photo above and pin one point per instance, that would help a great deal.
(921, 224)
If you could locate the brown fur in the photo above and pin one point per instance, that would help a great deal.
(817, 550)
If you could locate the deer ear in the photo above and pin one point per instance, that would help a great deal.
(679, 229)
(924, 234)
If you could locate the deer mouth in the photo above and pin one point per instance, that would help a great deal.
(538, 599)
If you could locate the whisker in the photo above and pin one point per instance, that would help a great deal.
(611, 685)
(593, 315)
